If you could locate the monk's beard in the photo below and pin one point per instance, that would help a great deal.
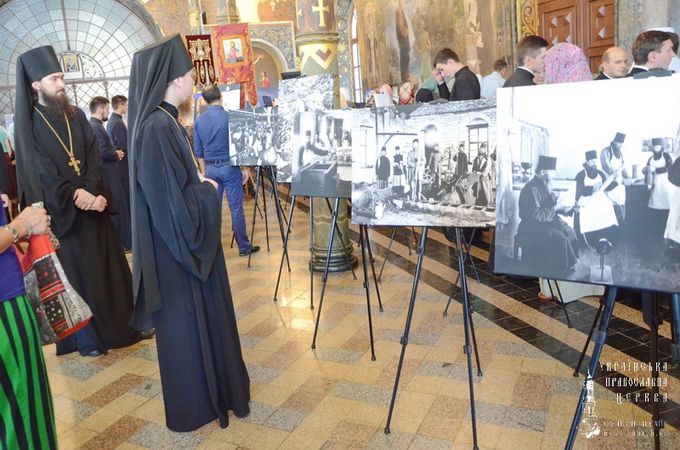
(58, 104)
(186, 108)
(591, 171)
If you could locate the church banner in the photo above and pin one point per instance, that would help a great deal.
(235, 59)
(200, 50)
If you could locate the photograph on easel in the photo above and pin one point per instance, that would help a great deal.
(322, 154)
(255, 137)
(589, 186)
(425, 165)
(297, 95)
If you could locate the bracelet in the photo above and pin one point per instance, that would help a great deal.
(13, 231)
(29, 226)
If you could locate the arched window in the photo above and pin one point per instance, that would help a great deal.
(356, 60)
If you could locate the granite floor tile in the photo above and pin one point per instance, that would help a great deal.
(77, 369)
(148, 388)
(362, 393)
(395, 440)
(159, 437)
(263, 375)
(116, 434)
(114, 390)
(285, 419)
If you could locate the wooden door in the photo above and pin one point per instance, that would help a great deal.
(586, 23)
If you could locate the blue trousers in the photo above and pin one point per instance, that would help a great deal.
(229, 178)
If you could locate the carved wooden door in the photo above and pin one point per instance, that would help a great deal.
(586, 23)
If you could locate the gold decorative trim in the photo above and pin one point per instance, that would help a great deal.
(527, 18)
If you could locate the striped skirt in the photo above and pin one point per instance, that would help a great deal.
(26, 414)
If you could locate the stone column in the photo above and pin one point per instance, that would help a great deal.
(195, 17)
(227, 12)
(655, 14)
(317, 42)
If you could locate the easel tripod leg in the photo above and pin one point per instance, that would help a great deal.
(285, 248)
(407, 326)
(363, 238)
(324, 280)
(467, 325)
(372, 260)
(599, 339)
(387, 253)
(252, 231)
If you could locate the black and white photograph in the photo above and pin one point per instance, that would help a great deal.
(322, 154)
(255, 137)
(589, 183)
(425, 165)
(297, 95)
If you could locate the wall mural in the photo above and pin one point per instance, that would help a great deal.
(401, 39)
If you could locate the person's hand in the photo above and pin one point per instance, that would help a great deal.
(99, 204)
(597, 186)
(438, 76)
(121, 154)
(5, 200)
(83, 199)
(202, 178)
(33, 220)
(245, 175)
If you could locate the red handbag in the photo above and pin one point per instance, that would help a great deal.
(59, 309)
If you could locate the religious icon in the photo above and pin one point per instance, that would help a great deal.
(233, 50)
(70, 63)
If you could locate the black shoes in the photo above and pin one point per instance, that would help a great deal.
(93, 353)
(148, 334)
(252, 249)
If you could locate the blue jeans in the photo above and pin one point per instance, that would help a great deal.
(229, 178)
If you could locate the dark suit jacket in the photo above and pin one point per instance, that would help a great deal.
(521, 77)
(636, 70)
(602, 76)
(466, 86)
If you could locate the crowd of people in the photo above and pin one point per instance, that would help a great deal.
(96, 181)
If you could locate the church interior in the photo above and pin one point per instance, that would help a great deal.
(333, 394)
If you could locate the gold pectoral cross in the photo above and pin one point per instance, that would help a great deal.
(74, 163)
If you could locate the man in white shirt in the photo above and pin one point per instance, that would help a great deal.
(495, 79)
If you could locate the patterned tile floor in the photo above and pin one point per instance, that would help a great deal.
(336, 397)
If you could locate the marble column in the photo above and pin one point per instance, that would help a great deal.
(195, 17)
(317, 42)
(227, 12)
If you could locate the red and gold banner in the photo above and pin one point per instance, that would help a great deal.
(235, 59)
(200, 50)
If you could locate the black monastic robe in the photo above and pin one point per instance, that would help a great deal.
(181, 279)
(90, 252)
(552, 239)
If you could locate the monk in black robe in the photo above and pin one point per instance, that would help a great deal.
(58, 163)
(547, 242)
(180, 277)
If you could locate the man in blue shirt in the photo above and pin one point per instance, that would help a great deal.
(211, 140)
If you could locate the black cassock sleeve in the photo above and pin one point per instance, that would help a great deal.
(184, 211)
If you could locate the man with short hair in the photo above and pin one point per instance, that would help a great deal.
(495, 79)
(614, 64)
(99, 113)
(652, 50)
(58, 164)
(119, 136)
(447, 65)
(211, 138)
(531, 59)
(180, 276)
(413, 170)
